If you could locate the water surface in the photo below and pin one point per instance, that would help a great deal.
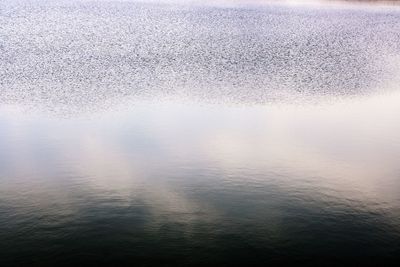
(176, 134)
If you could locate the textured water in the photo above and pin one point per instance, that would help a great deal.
(81, 53)
(148, 133)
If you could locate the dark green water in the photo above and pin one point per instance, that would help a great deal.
(167, 135)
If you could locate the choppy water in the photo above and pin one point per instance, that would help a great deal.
(198, 134)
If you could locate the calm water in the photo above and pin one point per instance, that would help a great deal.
(197, 134)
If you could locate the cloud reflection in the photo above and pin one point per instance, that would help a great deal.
(349, 154)
(265, 132)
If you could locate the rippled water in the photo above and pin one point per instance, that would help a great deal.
(198, 134)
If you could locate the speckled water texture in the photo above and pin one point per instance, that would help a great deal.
(80, 53)
(205, 133)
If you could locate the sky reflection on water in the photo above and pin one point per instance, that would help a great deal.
(198, 134)
(298, 181)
